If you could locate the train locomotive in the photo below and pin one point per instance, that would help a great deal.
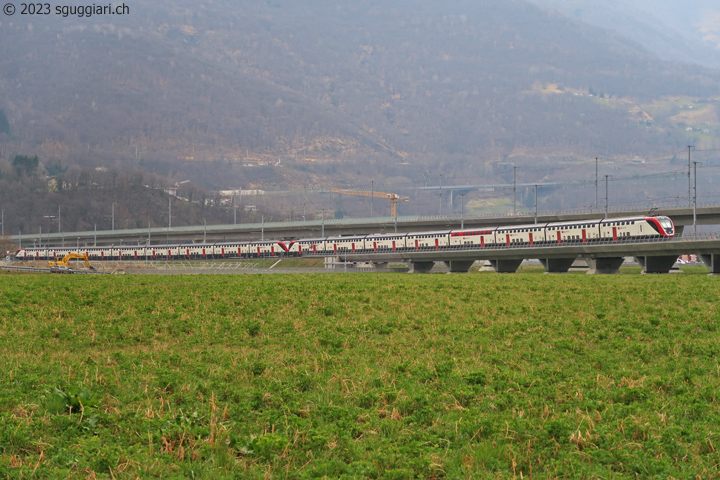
(556, 233)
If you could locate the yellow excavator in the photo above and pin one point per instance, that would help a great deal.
(62, 266)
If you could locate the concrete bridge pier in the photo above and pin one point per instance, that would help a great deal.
(712, 262)
(608, 265)
(459, 266)
(421, 267)
(557, 265)
(653, 264)
(506, 266)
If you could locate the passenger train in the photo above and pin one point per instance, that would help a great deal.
(558, 233)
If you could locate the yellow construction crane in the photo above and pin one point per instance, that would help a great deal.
(392, 197)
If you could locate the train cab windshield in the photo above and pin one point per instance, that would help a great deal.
(667, 225)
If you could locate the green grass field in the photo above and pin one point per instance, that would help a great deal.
(360, 376)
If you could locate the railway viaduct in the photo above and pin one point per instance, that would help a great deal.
(654, 257)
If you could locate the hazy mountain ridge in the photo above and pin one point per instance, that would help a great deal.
(221, 80)
(675, 31)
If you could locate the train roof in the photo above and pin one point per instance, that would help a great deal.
(625, 219)
(518, 227)
(347, 237)
(443, 232)
(387, 235)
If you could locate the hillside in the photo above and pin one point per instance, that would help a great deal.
(671, 29)
(196, 89)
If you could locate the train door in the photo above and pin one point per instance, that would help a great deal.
(393, 243)
(136, 255)
(559, 236)
(335, 247)
(482, 241)
(584, 236)
(615, 236)
(353, 247)
(417, 244)
(272, 250)
(507, 239)
(531, 239)
(375, 247)
(315, 249)
(222, 252)
(437, 244)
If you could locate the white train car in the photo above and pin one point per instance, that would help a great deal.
(199, 251)
(385, 242)
(268, 248)
(349, 244)
(521, 235)
(228, 250)
(428, 240)
(133, 253)
(129, 253)
(163, 252)
(469, 238)
(639, 227)
(309, 246)
(573, 232)
(32, 254)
